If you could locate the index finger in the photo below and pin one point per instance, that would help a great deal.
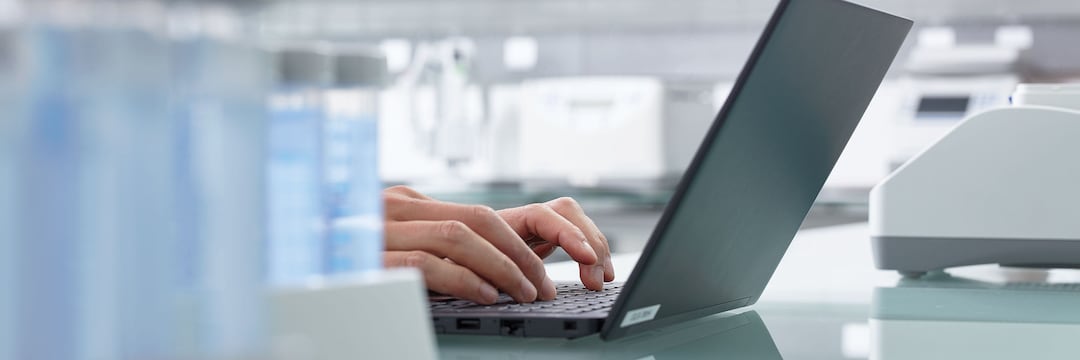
(543, 221)
(593, 276)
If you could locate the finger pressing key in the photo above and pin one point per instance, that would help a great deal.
(592, 275)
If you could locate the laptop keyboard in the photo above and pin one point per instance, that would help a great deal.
(569, 299)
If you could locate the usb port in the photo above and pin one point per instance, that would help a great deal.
(468, 324)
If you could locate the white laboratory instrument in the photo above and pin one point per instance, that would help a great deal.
(496, 159)
(432, 115)
(582, 129)
(931, 106)
(597, 131)
(1001, 188)
(944, 85)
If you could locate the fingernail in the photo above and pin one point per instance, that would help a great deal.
(609, 268)
(528, 291)
(489, 293)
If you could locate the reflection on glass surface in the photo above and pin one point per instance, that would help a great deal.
(946, 317)
(734, 336)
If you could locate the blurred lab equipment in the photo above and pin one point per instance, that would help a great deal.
(12, 125)
(219, 85)
(404, 152)
(1000, 188)
(352, 186)
(96, 186)
(499, 146)
(1065, 96)
(580, 130)
(687, 115)
(295, 165)
(329, 297)
(604, 131)
(934, 105)
(119, 149)
(434, 113)
(945, 83)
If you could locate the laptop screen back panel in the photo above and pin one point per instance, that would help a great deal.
(762, 164)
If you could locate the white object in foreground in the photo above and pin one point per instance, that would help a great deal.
(377, 315)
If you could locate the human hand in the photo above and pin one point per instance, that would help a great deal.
(563, 219)
(468, 250)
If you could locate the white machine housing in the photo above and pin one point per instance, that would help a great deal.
(600, 130)
(1002, 188)
(932, 105)
(945, 83)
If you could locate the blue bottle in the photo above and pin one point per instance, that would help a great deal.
(220, 85)
(296, 223)
(46, 239)
(98, 267)
(126, 233)
(352, 188)
(12, 123)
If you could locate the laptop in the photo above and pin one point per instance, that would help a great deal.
(750, 185)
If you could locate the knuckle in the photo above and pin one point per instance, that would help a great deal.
(483, 212)
(604, 241)
(566, 203)
(403, 191)
(527, 261)
(536, 267)
(464, 282)
(416, 259)
(509, 267)
(413, 202)
(391, 198)
(395, 201)
(536, 207)
(453, 231)
(399, 188)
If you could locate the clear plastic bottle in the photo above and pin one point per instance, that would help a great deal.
(45, 293)
(220, 82)
(124, 244)
(100, 271)
(294, 174)
(353, 190)
(12, 122)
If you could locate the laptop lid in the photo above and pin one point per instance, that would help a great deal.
(764, 161)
